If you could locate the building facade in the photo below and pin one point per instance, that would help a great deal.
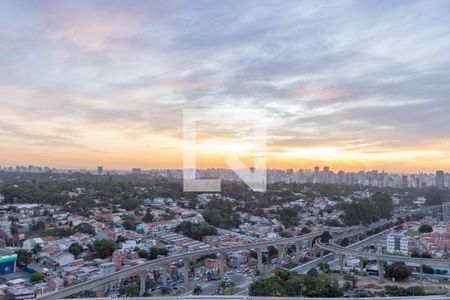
(397, 244)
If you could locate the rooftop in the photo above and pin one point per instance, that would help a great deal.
(5, 252)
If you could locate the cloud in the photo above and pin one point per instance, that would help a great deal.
(351, 76)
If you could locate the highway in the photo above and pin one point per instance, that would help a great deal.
(101, 282)
(302, 269)
(337, 249)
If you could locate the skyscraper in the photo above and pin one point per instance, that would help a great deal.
(326, 174)
(405, 181)
(440, 179)
(99, 169)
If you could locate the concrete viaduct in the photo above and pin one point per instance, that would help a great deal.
(102, 284)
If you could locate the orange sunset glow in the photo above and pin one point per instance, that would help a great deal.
(107, 83)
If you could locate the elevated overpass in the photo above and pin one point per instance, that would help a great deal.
(379, 257)
(103, 284)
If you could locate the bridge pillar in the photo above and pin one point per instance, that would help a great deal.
(187, 263)
(341, 263)
(322, 252)
(421, 275)
(164, 274)
(142, 278)
(223, 259)
(361, 265)
(314, 251)
(381, 270)
(259, 258)
(280, 249)
(297, 251)
(101, 291)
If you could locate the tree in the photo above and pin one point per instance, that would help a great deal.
(24, 257)
(196, 231)
(75, 249)
(434, 196)
(288, 216)
(131, 290)
(397, 291)
(37, 277)
(425, 228)
(427, 269)
(291, 284)
(121, 239)
(148, 217)
(224, 285)
(85, 228)
(220, 213)
(155, 252)
(312, 272)
(325, 237)
(305, 230)
(104, 248)
(128, 224)
(324, 267)
(398, 270)
(36, 249)
(143, 253)
(383, 203)
(273, 251)
(14, 229)
(345, 242)
(332, 223)
(197, 290)
(38, 226)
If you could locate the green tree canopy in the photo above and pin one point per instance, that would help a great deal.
(104, 248)
(75, 249)
(85, 228)
(196, 231)
(154, 252)
(37, 277)
(24, 257)
(291, 284)
(425, 228)
(398, 270)
(288, 216)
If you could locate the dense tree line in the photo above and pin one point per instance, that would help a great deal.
(398, 270)
(153, 253)
(291, 284)
(220, 213)
(435, 196)
(288, 216)
(368, 210)
(196, 231)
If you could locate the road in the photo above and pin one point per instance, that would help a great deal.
(331, 257)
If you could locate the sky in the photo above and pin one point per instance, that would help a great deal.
(355, 85)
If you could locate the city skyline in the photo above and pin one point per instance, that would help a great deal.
(105, 169)
(349, 84)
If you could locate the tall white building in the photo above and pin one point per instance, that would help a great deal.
(397, 244)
